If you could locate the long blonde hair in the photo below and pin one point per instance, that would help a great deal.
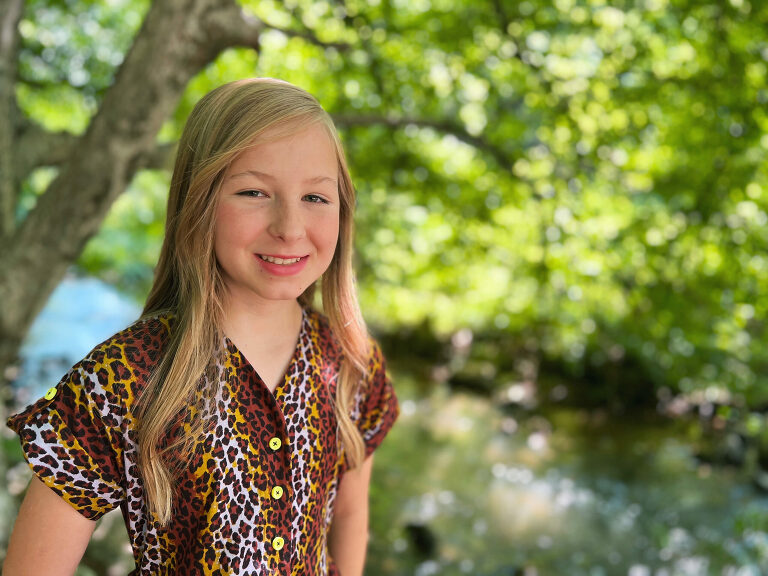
(188, 283)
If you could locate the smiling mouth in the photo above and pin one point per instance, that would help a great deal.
(281, 261)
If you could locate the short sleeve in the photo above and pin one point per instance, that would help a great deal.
(376, 407)
(71, 439)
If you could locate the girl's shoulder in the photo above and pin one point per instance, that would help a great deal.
(129, 356)
(141, 344)
(321, 332)
(329, 345)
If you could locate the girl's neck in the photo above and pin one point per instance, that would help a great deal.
(265, 335)
(259, 322)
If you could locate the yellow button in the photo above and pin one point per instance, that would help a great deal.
(50, 394)
(277, 492)
(275, 443)
(278, 543)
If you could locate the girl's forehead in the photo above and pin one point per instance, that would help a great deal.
(309, 149)
(291, 130)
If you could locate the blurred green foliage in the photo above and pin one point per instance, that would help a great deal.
(586, 177)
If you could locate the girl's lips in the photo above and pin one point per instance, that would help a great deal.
(290, 264)
(280, 259)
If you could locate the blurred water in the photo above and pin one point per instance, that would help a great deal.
(464, 487)
(81, 313)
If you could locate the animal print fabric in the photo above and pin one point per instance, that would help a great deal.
(267, 468)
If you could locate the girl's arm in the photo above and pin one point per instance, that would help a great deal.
(349, 529)
(49, 536)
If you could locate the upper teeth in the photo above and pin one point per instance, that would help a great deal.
(279, 260)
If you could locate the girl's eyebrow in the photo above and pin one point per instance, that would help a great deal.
(265, 176)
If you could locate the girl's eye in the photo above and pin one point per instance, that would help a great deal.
(315, 199)
(251, 193)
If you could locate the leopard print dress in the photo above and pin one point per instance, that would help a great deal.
(258, 495)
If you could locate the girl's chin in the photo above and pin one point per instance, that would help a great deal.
(257, 296)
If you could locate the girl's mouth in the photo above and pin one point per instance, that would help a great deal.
(280, 261)
(283, 265)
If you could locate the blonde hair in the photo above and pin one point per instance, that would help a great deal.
(188, 283)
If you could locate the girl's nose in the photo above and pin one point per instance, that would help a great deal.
(286, 222)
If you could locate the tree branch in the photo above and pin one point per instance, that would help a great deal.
(447, 126)
(501, 14)
(306, 33)
(159, 158)
(10, 15)
(44, 84)
(310, 37)
(232, 26)
(36, 147)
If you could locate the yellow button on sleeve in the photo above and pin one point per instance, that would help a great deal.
(278, 543)
(275, 443)
(277, 492)
(51, 393)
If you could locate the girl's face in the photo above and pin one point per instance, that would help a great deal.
(277, 221)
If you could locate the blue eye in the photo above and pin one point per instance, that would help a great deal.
(251, 193)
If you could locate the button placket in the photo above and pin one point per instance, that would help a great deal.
(277, 491)
(279, 449)
(268, 436)
(277, 453)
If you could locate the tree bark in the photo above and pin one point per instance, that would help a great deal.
(10, 15)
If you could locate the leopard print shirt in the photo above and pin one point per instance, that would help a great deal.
(258, 495)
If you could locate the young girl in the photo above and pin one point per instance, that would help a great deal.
(233, 424)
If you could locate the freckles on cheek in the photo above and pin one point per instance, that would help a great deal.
(226, 215)
(231, 225)
(225, 234)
